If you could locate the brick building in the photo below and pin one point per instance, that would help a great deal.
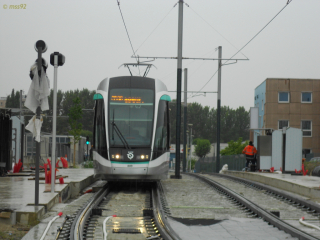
(291, 103)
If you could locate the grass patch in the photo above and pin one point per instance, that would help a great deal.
(11, 235)
(9, 232)
(87, 164)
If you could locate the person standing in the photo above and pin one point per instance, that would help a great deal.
(250, 152)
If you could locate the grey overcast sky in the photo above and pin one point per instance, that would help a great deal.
(92, 36)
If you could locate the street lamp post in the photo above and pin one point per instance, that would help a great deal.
(40, 47)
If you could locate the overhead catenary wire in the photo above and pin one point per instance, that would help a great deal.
(155, 28)
(288, 2)
(194, 95)
(188, 64)
(118, 1)
(215, 29)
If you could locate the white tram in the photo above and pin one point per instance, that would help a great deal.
(131, 129)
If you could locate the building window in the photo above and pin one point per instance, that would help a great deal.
(283, 97)
(31, 146)
(262, 106)
(283, 123)
(306, 153)
(306, 126)
(306, 97)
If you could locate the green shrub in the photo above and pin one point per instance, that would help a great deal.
(202, 148)
(87, 164)
(234, 147)
(310, 166)
(193, 163)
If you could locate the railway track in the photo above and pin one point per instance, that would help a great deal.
(254, 199)
(136, 212)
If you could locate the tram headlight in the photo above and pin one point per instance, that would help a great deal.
(143, 157)
(116, 156)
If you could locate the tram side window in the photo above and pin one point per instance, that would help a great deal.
(100, 140)
(161, 142)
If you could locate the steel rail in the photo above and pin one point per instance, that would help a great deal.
(82, 216)
(160, 217)
(287, 196)
(265, 215)
(61, 228)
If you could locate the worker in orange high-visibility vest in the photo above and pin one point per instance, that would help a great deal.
(250, 152)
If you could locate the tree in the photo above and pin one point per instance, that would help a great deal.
(86, 133)
(13, 100)
(234, 122)
(194, 141)
(86, 101)
(64, 104)
(75, 115)
(47, 120)
(202, 148)
(234, 147)
(242, 123)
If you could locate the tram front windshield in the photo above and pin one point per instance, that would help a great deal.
(131, 112)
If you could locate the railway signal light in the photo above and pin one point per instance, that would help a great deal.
(61, 59)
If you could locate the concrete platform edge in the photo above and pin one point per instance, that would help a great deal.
(309, 192)
(32, 214)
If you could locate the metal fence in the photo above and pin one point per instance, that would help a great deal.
(208, 164)
(311, 155)
(62, 150)
(235, 162)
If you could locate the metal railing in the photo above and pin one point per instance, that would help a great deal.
(62, 150)
(208, 164)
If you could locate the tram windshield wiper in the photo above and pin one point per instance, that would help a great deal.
(118, 132)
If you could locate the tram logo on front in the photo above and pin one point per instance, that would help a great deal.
(130, 155)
